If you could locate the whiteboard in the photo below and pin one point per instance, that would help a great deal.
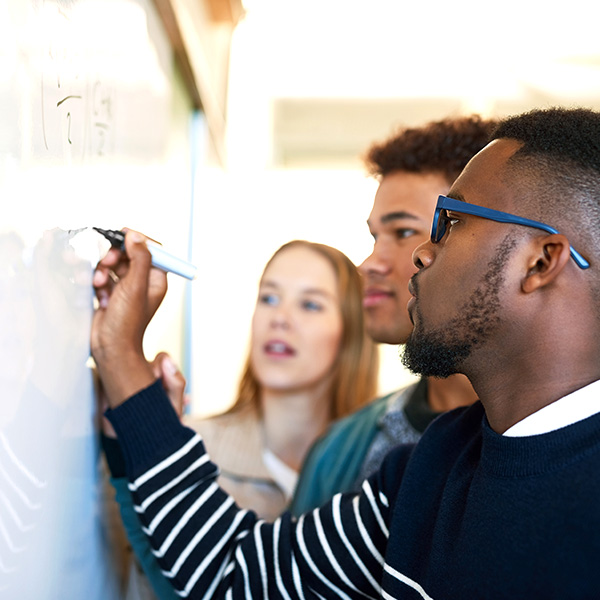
(93, 132)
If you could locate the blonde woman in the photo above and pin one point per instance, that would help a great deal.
(310, 362)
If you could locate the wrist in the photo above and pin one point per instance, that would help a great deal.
(123, 375)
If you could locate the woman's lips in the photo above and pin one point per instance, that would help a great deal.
(278, 348)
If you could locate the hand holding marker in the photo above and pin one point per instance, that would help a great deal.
(160, 258)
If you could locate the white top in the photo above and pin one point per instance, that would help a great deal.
(579, 405)
(285, 477)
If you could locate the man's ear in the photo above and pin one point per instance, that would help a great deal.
(548, 258)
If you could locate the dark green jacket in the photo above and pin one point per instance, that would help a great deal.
(342, 449)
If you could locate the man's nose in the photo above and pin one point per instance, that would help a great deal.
(423, 255)
(378, 262)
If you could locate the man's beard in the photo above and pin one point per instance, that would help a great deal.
(442, 352)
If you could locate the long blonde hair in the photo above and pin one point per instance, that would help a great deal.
(354, 382)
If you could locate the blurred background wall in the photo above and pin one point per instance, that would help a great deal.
(311, 85)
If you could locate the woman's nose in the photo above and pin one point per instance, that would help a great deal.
(280, 317)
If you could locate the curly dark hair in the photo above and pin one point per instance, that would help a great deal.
(438, 147)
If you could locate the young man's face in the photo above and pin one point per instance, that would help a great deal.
(399, 221)
(459, 301)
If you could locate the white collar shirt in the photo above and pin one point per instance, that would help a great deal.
(574, 407)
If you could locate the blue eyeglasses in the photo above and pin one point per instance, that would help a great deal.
(441, 220)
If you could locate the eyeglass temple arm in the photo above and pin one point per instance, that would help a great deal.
(497, 215)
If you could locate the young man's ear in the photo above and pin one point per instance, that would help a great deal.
(548, 258)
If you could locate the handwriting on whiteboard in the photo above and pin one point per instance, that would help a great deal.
(77, 104)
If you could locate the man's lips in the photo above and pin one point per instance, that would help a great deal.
(413, 299)
(373, 296)
(411, 288)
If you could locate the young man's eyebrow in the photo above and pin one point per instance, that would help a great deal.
(395, 216)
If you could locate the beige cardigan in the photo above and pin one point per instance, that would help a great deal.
(234, 442)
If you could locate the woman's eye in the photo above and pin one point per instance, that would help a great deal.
(269, 299)
(311, 305)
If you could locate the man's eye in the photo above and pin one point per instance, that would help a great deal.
(403, 233)
(451, 219)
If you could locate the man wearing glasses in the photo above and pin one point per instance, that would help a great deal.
(412, 167)
(497, 500)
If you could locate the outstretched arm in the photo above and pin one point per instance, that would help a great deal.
(206, 545)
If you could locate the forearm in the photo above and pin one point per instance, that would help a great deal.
(123, 374)
(169, 470)
(206, 545)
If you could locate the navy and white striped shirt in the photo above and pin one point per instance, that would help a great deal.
(466, 513)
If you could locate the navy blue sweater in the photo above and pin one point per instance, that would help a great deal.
(464, 514)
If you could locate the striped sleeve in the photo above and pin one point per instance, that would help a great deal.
(210, 548)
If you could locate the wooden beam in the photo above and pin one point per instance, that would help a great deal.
(226, 11)
(169, 19)
(200, 33)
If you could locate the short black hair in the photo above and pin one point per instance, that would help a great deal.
(558, 167)
(559, 133)
(556, 172)
(443, 147)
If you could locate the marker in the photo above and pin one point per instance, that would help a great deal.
(160, 258)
